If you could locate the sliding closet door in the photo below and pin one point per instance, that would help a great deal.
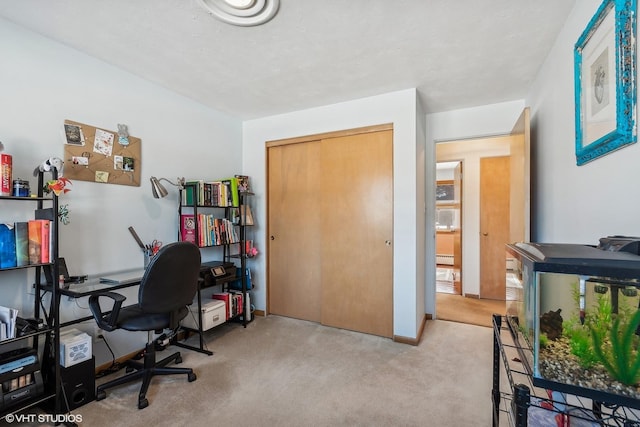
(294, 230)
(357, 232)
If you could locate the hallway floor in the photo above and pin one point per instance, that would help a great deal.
(457, 308)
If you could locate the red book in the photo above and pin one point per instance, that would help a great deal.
(5, 177)
(226, 297)
(187, 229)
(45, 241)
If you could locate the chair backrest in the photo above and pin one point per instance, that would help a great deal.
(170, 281)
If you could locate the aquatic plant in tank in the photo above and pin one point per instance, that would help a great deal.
(599, 344)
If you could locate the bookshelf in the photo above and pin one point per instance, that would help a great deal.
(217, 214)
(39, 380)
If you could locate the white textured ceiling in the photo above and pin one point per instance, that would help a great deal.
(458, 53)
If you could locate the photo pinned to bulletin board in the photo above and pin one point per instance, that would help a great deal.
(99, 155)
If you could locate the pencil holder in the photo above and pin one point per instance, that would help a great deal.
(148, 256)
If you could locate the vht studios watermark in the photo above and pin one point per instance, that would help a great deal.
(43, 418)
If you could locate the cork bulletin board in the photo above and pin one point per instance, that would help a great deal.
(100, 155)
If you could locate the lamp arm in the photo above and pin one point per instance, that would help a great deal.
(179, 184)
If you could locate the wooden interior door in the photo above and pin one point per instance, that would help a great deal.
(294, 248)
(495, 176)
(357, 232)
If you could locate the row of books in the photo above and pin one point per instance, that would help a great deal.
(221, 193)
(211, 230)
(232, 301)
(8, 318)
(26, 242)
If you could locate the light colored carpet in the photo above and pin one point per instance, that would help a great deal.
(287, 372)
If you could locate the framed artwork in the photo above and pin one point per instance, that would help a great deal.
(605, 81)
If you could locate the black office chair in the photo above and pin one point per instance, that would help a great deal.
(169, 284)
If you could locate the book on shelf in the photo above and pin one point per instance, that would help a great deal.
(45, 240)
(224, 296)
(231, 185)
(191, 192)
(5, 174)
(243, 183)
(35, 240)
(187, 228)
(7, 246)
(220, 193)
(21, 229)
(233, 302)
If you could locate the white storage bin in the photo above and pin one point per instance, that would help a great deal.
(75, 347)
(213, 314)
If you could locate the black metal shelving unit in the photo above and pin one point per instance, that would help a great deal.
(50, 360)
(242, 255)
(227, 256)
(518, 402)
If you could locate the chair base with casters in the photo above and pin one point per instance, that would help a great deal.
(146, 371)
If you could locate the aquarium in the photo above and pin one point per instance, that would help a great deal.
(576, 310)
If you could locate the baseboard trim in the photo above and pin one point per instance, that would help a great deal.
(476, 296)
(120, 359)
(260, 313)
(414, 341)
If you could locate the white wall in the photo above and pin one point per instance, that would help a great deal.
(44, 83)
(575, 204)
(487, 120)
(398, 108)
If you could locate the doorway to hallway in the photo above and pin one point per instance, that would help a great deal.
(470, 154)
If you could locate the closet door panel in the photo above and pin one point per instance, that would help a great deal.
(294, 230)
(357, 231)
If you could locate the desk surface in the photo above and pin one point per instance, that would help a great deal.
(126, 279)
(123, 277)
(95, 285)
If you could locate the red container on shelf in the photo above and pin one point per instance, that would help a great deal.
(6, 184)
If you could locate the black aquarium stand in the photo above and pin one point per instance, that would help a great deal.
(517, 402)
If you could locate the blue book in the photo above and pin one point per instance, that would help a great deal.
(7, 246)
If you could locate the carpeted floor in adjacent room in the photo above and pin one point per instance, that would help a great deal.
(285, 372)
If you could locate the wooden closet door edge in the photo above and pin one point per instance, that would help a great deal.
(336, 134)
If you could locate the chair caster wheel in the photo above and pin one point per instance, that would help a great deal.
(143, 403)
(128, 369)
(178, 359)
(101, 394)
(192, 377)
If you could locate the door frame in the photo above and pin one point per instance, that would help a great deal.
(521, 129)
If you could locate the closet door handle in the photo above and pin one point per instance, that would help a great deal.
(387, 242)
(272, 238)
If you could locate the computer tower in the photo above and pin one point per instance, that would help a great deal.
(78, 384)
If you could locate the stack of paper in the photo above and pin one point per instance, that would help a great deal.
(8, 323)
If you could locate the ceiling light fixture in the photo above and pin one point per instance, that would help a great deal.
(244, 13)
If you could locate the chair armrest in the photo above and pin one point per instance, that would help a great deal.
(106, 321)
